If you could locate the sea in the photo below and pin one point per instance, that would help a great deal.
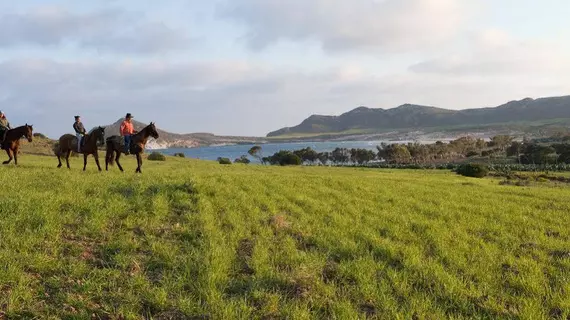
(235, 151)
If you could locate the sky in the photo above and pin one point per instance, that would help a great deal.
(248, 67)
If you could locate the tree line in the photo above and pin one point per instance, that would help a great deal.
(500, 147)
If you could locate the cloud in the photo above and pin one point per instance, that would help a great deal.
(340, 25)
(494, 53)
(104, 30)
(230, 97)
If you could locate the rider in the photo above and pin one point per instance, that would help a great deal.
(4, 126)
(79, 131)
(127, 130)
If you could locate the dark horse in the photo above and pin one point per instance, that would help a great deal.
(12, 142)
(115, 146)
(91, 141)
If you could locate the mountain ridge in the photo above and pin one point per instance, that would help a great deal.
(413, 116)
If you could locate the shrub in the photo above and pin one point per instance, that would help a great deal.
(224, 161)
(285, 158)
(40, 135)
(180, 154)
(156, 156)
(471, 154)
(474, 170)
(243, 159)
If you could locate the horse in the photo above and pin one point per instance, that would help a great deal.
(91, 141)
(12, 141)
(115, 146)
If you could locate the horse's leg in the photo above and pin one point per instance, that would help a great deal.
(16, 156)
(9, 156)
(67, 158)
(85, 155)
(117, 161)
(59, 160)
(139, 163)
(96, 156)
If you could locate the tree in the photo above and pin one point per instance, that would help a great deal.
(307, 155)
(395, 153)
(362, 156)
(536, 154)
(501, 142)
(324, 157)
(255, 152)
(340, 155)
(285, 158)
(515, 150)
(463, 145)
(563, 150)
(419, 152)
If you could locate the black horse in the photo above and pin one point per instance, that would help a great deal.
(115, 146)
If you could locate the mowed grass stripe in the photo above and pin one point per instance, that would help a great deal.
(197, 239)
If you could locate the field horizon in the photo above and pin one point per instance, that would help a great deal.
(192, 239)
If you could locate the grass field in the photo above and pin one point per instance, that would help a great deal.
(197, 240)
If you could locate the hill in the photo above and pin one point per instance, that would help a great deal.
(174, 140)
(196, 240)
(409, 117)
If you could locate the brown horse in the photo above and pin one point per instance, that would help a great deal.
(68, 143)
(115, 146)
(12, 142)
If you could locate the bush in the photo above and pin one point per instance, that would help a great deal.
(285, 158)
(224, 161)
(40, 135)
(471, 154)
(156, 156)
(474, 170)
(180, 154)
(243, 159)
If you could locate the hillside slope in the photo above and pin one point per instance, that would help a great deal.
(418, 117)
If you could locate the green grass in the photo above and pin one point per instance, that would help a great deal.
(194, 239)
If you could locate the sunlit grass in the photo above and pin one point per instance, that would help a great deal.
(196, 239)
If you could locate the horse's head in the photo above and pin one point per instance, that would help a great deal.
(29, 133)
(99, 135)
(152, 130)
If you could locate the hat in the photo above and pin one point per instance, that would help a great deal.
(77, 117)
(129, 115)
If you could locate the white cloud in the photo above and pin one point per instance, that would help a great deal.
(104, 30)
(340, 25)
(494, 53)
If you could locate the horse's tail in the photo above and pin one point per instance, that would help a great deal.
(56, 149)
(109, 155)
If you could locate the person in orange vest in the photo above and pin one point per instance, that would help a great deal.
(127, 130)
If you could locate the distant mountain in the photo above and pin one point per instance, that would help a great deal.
(175, 140)
(416, 117)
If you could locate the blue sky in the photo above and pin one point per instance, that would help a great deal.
(247, 67)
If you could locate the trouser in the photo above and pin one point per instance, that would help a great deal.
(79, 137)
(127, 143)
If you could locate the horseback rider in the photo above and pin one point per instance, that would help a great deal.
(79, 132)
(4, 126)
(127, 130)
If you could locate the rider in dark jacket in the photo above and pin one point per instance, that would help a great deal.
(79, 131)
